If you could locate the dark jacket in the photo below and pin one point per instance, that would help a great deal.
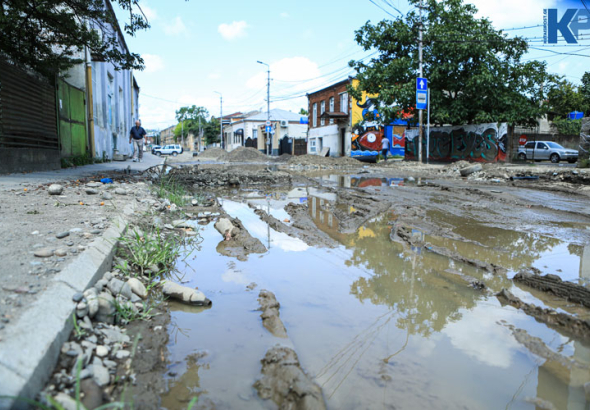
(137, 133)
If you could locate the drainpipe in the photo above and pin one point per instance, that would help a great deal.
(89, 104)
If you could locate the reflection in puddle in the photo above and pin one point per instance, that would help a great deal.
(376, 323)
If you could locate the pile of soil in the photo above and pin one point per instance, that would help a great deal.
(244, 154)
(284, 158)
(319, 160)
(211, 153)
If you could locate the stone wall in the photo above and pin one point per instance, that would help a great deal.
(584, 146)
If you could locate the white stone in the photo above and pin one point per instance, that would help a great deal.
(102, 351)
(223, 226)
(137, 287)
(55, 189)
(185, 294)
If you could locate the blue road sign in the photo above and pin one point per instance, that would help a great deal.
(269, 129)
(421, 99)
(421, 84)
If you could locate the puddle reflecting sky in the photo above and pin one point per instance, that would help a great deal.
(378, 325)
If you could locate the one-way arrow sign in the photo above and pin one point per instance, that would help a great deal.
(421, 84)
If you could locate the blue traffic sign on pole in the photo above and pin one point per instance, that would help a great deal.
(421, 99)
(421, 84)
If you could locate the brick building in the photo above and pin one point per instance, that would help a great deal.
(330, 120)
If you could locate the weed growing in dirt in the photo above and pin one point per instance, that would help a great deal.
(127, 313)
(149, 250)
(168, 188)
(78, 331)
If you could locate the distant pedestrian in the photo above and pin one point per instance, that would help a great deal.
(384, 147)
(138, 135)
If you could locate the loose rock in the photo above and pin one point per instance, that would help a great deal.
(185, 294)
(137, 287)
(62, 235)
(44, 253)
(55, 189)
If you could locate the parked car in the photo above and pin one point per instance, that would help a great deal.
(547, 150)
(154, 147)
(173, 150)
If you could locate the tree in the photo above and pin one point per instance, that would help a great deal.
(190, 117)
(564, 97)
(303, 111)
(211, 131)
(49, 36)
(585, 89)
(475, 72)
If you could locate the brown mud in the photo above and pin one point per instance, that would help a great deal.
(554, 285)
(270, 314)
(240, 243)
(561, 321)
(285, 383)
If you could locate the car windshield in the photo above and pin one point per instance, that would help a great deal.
(554, 145)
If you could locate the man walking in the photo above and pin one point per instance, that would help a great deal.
(384, 147)
(137, 134)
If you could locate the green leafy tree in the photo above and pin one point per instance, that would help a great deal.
(303, 111)
(50, 36)
(211, 131)
(564, 97)
(585, 89)
(475, 72)
(565, 126)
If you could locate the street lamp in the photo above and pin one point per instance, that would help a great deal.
(221, 119)
(267, 107)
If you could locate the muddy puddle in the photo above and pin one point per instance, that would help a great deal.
(376, 323)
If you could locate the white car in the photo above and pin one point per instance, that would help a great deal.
(173, 150)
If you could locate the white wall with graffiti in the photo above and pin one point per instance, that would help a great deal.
(476, 142)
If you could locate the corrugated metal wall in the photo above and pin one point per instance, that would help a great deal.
(28, 115)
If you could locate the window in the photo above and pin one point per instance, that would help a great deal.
(331, 109)
(254, 133)
(322, 110)
(110, 101)
(541, 145)
(530, 145)
(312, 147)
(344, 103)
(315, 115)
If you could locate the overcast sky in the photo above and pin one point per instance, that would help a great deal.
(197, 47)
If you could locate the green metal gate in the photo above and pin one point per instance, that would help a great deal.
(72, 120)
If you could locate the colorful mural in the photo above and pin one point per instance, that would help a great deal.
(368, 130)
(479, 143)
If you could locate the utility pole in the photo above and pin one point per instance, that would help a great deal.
(221, 119)
(421, 75)
(182, 132)
(200, 135)
(269, 134)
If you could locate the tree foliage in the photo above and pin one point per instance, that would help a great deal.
(564, 97)
(190, 116)
(475, 72)
(567, 127)
(51, 36)
(211, 131)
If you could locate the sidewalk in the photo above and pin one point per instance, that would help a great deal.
(16, 180)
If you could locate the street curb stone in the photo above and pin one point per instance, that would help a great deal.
(29, 355)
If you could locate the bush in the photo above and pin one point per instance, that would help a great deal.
(568, 127)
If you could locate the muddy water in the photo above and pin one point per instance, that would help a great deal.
(377, 324)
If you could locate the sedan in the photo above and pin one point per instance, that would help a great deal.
(547, 150)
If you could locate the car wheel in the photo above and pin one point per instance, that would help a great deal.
(522, 156)
(174, 153)
(159, 154)
(554, 158)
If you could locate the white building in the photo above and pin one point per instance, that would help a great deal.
(250, 131)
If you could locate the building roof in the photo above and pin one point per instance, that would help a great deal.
(348, 80)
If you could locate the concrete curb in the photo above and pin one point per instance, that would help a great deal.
(28, 358)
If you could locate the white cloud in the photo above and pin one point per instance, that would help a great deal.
(153, 63)
(234, 30)
(510, 13)
(284, 14)
(149, 12)
(214, 76)
(175, 28)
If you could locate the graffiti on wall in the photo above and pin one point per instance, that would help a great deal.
(479, 142)
(368, 130)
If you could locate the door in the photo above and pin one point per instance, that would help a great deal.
(72, 120)
(542, 151)
(529, 149)
(342, 142)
